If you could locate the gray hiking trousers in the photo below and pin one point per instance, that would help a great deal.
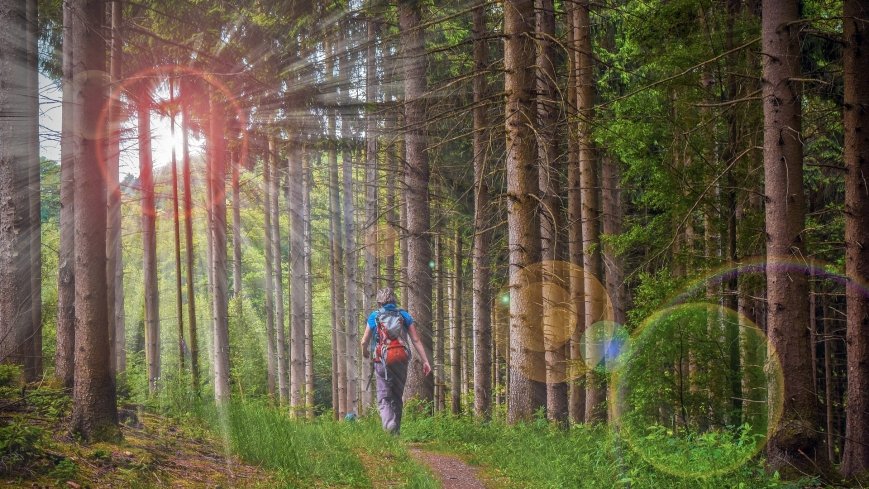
(390, 389)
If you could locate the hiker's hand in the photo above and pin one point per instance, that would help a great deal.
(426, 369)
(365, 352)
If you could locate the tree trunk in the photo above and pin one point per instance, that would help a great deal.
(576, 401)
(309, 290)
(795, 442)
(188, 244)
(438, 317)
(482, 297)
(16, 328)
(372, 231)
(856, 454)
(595, 404)
(94, 413)
(69, 140)
(527, 366)
(149, 239)
(296, 206)
(278, 279)
(337, 273)
(350, 270)
(417, 192)
(271, 344)
(217, 188)
(114, 252)
(179, 298)
(456, 336)
(33, 368)
(236, 225)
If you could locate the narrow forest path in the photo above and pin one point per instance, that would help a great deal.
(449, 469)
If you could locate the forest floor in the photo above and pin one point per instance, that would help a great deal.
(37, 450)
(452, 471)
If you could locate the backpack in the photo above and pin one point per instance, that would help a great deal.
(390, 345)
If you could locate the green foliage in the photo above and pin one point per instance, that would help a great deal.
(19, 443)
(64, 470)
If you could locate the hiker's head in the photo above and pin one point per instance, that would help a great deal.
(385, 296)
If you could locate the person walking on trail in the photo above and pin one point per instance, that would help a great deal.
(386, 343)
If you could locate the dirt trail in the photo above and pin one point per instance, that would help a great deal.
(452, 471)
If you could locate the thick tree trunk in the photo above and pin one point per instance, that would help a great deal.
(576, 369)
(217, 189)
(527, 366)
(115, 265)
(16, 328)
(795, 444)
(298, 281)
(855, 459)
(188, 245)
(417, 192)
(456, 336)
(94, 414)
(482, 297)
(65, 349)
(271, 344)
(149, 239)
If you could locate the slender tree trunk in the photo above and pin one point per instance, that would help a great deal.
(855, 459)
(576, 401)
(114, 252)
(16, 326)
(372, 230)
(149, 239)
(271, 344)
(296, 206)
(188, 244)
(309, 290)
(94, 413)
(438, 317)
(236, 225)
(794, 445)
(337, 275)
(482, 297)
(33, 368)
(613, 214)
(69, 141)
(278, 281)
(456, 336)
(350, 270)
(527, 366)
(179, 297)
(217, 189)
(419, 300)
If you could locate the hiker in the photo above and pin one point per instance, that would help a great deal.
(386, 342)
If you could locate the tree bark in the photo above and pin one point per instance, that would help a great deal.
(576, 370)
(16, 328)
(527, 367)
(278, 280)
(188, 245)
(33, 368)
(482, 297)
(94, 413)
(114, 252)
(337, 273)
(372, 231)
(438, 317)
(309, 291)
(179, 297)
(65, 349)
(271, 343)
(149, 239)
(794, 445)
(350, 270)
(217, 188)
(236, 225)
(456, 336)
(296, 206)
(855, 459)
(419, 300)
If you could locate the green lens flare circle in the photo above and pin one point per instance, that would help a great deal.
(697, 390)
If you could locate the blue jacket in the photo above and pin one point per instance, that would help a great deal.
(372, 318)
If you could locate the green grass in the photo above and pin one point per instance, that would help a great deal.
(542, 456)
(320, 453)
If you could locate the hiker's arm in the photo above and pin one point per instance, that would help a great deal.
(417, 343)
(366, 337)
